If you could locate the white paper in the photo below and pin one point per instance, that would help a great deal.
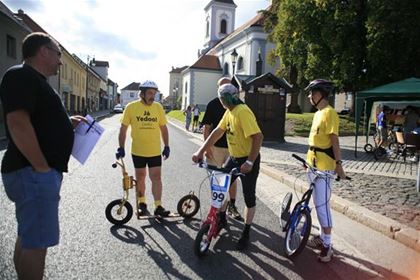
(86, 135)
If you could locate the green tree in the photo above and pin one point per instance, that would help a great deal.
(393, 40)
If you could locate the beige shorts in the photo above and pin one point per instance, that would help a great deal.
(220, 156)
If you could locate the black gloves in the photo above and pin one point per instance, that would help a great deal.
(120, 153)
(166, 151)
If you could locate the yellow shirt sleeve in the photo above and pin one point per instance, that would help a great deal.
(249, 123)
(331, 122)
(126, 118)
(162, 117)
(223, 122)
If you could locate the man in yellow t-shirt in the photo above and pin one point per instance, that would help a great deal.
(148, 123)
(244, 139)
(324, 154)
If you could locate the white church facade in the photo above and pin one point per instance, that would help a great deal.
(226, 52)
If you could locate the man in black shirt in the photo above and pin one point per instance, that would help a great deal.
(219, 153)
(40, 137)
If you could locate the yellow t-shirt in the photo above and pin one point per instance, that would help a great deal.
(239, 124)
(145, 121)
(325, 122)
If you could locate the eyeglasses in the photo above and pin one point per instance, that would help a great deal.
(55, 50)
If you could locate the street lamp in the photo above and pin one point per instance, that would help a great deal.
(233, 56)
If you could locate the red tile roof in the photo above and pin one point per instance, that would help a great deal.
(30, 22)
(207, 62)
(178, 69)
(132, 86)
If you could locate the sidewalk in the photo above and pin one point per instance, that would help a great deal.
(381, 195)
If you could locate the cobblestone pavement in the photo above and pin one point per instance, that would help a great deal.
(386, 187)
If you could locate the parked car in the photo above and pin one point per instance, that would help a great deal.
(118, 108)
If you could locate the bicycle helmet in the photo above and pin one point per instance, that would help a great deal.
(324, 86)
(148, 85)
(229, 93)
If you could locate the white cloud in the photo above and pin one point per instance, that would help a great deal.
(140, 39)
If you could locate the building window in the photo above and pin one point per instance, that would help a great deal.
(240, 63)
(223, 26)
(186, 87)
(226, 69)
(11, 46)
(207, 28)
(131, 94)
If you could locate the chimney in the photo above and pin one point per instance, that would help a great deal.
(21, 12)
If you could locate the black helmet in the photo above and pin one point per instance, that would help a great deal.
(326, 87)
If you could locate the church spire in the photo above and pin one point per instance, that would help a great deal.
(219, 21)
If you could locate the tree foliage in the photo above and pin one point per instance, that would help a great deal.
(355, 43)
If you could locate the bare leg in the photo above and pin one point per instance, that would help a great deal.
(31, 264)
(141, 181)
(17, 254)
(249, 215)
(232, 189)
(155, 177)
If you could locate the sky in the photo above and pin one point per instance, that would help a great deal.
(140, 39)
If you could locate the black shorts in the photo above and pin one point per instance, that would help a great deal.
(141, 162)
(196, 118)
(249, 181)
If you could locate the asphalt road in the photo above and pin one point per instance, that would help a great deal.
(92, 248)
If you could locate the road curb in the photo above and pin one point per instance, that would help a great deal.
(391, 228)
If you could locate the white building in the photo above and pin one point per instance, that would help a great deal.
(129, 93)
(248, 41)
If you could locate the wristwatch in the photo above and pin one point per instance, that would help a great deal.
(250, 163)
(339, 162)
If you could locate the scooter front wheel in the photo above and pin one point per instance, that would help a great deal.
(202, 241)
(119, 212)
(188, 206)
(298, 233)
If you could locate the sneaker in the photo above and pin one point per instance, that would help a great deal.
(222, 221)
(315, 242)
(143, 209)
(160, 211)
(242, 242)
(326, 254)
(233, 211)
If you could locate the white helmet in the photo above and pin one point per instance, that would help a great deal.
(230, 94)
(148, 84)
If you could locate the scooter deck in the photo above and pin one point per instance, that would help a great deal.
(151, 216)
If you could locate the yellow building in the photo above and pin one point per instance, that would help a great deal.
(73, 83)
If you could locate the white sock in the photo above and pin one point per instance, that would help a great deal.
(326, 238)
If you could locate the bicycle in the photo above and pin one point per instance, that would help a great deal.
(120, 211)
(220, 179)
(297, 224)
(381, 152)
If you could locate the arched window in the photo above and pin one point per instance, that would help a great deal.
(240, 63)
(207, 28)
(223, 25)
(226, 69)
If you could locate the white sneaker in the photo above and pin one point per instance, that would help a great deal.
(326, 254)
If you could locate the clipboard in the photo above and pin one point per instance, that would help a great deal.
(86, 135)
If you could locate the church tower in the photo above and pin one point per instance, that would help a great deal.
(219, 21)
